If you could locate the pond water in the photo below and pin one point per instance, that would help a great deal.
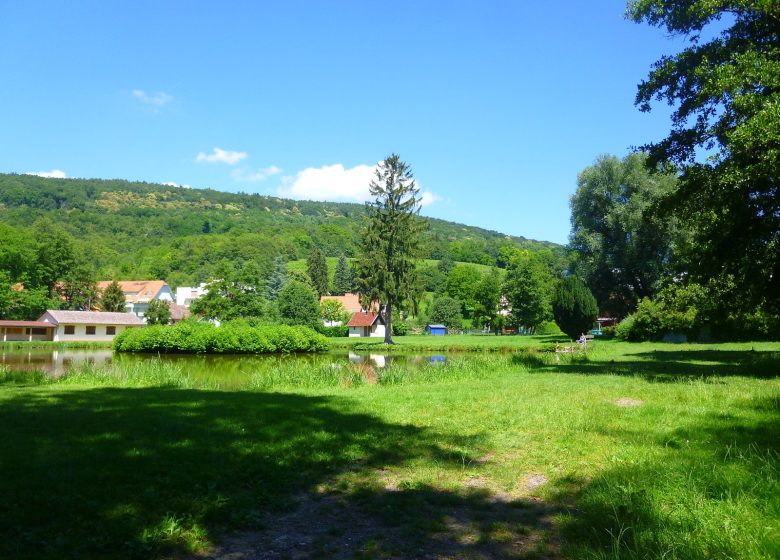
(57, 362)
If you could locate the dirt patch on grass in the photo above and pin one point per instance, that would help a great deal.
(627, 402)
(418, 522)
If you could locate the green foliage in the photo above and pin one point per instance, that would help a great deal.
(622, 249)
(25, 305)
(333, 332)
(299, 305)
(391, 240)
(462, 282)
(548, 328)
(446, 311)
(112, 298)
(317, 269)
(232, 337)
(332, 310)
(158, 313)
(725, 91)
(400, 328)
(237, 292)
(343, 279)
(528, 289)
(487, 294)
(277, 278)
(574, 307)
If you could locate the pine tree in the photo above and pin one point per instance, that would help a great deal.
(574, 307)
(318, 271)
(342, 277)
(113, 299)
(391, 240)
(277, 279)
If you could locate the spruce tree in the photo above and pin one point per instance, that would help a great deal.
(342, 278)
(390, 247)
(277, 279)
(113, 298)
(318, 271)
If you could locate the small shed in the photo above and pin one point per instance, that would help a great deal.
(436, 330)
(366, 323)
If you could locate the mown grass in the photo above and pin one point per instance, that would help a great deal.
(517, 454)
(448, 343)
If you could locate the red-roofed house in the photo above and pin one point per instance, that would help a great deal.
(366, 323)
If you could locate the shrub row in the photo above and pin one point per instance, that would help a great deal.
(238, 337)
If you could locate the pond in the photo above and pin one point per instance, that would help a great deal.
(228, 370)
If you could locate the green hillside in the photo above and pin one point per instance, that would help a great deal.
(141, 230)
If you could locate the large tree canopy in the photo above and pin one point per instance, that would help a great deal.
(622, 248)
(725, 90)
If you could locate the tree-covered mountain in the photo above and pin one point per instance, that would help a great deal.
(140, 230)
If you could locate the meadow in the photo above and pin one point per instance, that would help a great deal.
(626, 451)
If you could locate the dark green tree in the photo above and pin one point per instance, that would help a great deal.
(299, 304)
(622, 249)
(277, 279)
(317, 268)
(528, 288)
(78, 288)
(237, 292)
(112, 298)
(486, 298)
(574, 307)
(158, 313)
(391, 240)
(461, 284)
(446, 311)
(342, 277)
(725, 90)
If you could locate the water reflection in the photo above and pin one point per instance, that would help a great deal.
(57, 362)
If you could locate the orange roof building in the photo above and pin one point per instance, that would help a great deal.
(138, 293)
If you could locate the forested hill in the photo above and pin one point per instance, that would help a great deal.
(141, 230)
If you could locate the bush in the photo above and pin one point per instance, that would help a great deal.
(334, 332)
(400, 328)
(235, 337)
(624, 327)
(548, 328)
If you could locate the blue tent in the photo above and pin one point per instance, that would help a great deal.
(436, 330)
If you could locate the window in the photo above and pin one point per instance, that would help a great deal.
(40, 330)
(110, 330)
(91, 329)
(70, 329)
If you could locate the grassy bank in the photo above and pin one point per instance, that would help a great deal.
(630, 451)
(452, 343)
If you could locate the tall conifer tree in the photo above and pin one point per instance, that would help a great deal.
(342, 277)
(391, 240)
(317, 268)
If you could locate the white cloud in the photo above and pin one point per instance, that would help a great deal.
(158, 100)
(330, 182)
(218, 155)
(427, 198)
(53, 174)
(244, 175)
(334, 182)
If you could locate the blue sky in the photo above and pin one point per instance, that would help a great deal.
(496, 105)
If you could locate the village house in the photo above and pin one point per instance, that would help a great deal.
(351, 304)
(366, 323)
(185, 295)
(138, 293)
(62, 326)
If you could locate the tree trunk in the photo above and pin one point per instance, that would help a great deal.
(388, 323)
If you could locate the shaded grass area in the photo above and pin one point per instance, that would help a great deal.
(517, 455)
(49, 344)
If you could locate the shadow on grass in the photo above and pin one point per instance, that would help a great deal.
(139, 473)
(712, 493)
(668, 365)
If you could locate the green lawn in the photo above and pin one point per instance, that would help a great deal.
(628, 451)
(453, 342)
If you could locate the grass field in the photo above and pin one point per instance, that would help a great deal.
(627, 451)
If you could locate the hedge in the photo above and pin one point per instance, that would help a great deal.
(192, 337)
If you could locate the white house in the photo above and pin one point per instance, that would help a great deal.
(138, 293)
(185, 295)
(366, 323)
(88, 325)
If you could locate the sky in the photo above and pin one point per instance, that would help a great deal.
(496, 105)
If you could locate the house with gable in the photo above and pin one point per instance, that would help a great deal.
(366, 323)
(139, 293)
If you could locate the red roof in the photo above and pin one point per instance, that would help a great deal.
(34, 324)
(362, 319)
